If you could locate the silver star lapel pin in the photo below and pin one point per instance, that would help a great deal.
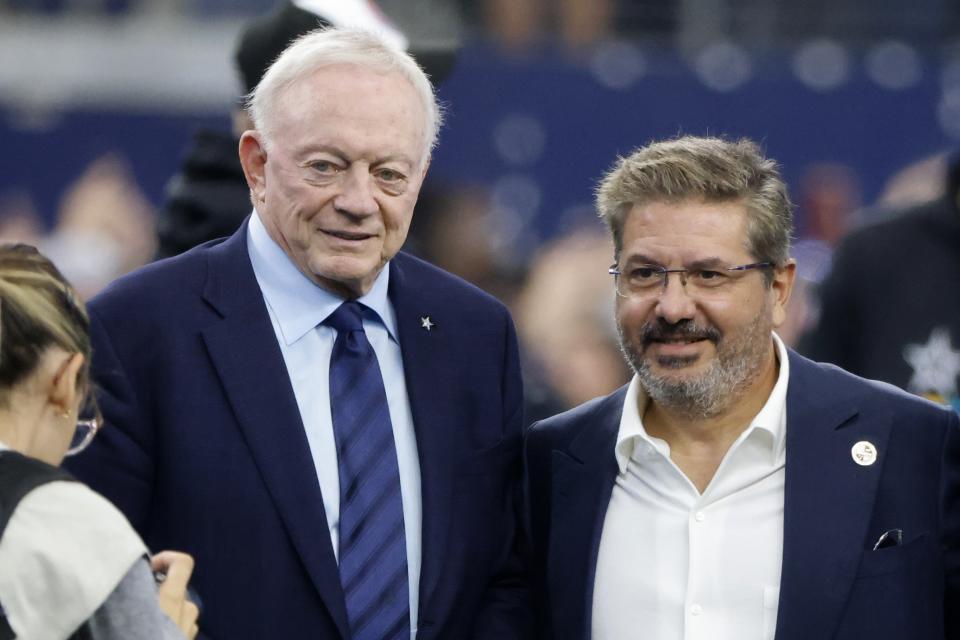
(426, 323)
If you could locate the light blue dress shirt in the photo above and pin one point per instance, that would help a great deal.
(297, 310)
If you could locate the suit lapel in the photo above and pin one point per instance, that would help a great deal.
(426, 355)
(828, 500)
(244, 350)
(583, 478)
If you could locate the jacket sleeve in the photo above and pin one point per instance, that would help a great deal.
(132, 611)
(505, 613)
(119, 462)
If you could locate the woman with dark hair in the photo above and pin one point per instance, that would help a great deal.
(71, 566)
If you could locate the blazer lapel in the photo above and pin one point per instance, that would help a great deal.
(425, 357)
(583, 478)
(828, 500)
(244, 350)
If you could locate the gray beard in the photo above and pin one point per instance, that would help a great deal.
(736, 366)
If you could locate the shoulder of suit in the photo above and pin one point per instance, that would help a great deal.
(445, 287)
(563, 427)
(875, 394)
(163, 278)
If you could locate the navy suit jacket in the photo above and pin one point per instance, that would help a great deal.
(833, 585)
(204, 449)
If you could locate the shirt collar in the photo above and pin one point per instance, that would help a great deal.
(298, 303)
(771, 418)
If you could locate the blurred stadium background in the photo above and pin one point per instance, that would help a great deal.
(857, 99)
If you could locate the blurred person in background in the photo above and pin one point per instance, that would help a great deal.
(828, 203)
(330, 426)
(70, 564)
(454, 229)
(917, 183)
(563, 316)
(890, 307)
(519, 27)
(104, 225)
(734, 490)
(104, 228)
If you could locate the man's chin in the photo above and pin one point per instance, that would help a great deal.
(347, 277)
(675, 371)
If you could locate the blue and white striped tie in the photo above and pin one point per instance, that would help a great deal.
(373, 554)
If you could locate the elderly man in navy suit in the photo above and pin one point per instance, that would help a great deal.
(735, 490)
(331, 427)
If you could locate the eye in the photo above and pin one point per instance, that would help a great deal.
(324, 167)
(708, 277)
(392, 182)
(644, 275)
(390, 175)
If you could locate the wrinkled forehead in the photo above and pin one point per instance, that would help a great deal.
(382, 99)
(686, 231)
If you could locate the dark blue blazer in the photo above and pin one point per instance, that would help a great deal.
(833, 585)
(204, 449)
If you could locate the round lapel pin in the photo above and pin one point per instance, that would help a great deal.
(864, 453)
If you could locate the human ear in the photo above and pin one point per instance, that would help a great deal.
(782, 286)
(64, 393)
(253, 159)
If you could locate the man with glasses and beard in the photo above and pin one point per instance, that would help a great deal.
(734, 490)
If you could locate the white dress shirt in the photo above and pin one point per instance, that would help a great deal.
(297, 310)
(675, 564)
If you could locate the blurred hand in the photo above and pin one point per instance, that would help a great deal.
(173, 590)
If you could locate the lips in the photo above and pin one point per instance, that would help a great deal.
(347, 235)
(674, 346)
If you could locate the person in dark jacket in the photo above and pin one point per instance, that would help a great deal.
(890, 308)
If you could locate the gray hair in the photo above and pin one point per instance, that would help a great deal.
(328, 47)
(709, 170)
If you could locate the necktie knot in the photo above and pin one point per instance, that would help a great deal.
(347, 317)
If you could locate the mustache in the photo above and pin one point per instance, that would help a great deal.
(659, 330)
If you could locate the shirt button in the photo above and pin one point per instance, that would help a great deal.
(699, 516)
(696, 610)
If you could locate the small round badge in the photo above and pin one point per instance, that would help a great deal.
(864, 453)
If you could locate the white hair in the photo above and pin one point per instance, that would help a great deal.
(333, 46)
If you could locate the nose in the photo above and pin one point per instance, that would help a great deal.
(356, 198)
(674, 304)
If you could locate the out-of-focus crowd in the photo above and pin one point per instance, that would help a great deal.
(559, 292)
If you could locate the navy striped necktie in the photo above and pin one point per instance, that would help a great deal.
(373, 553)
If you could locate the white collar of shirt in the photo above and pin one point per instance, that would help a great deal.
(772, 417)
(298, 303)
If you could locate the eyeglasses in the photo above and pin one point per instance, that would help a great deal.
(646, 280)
(83, 435)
